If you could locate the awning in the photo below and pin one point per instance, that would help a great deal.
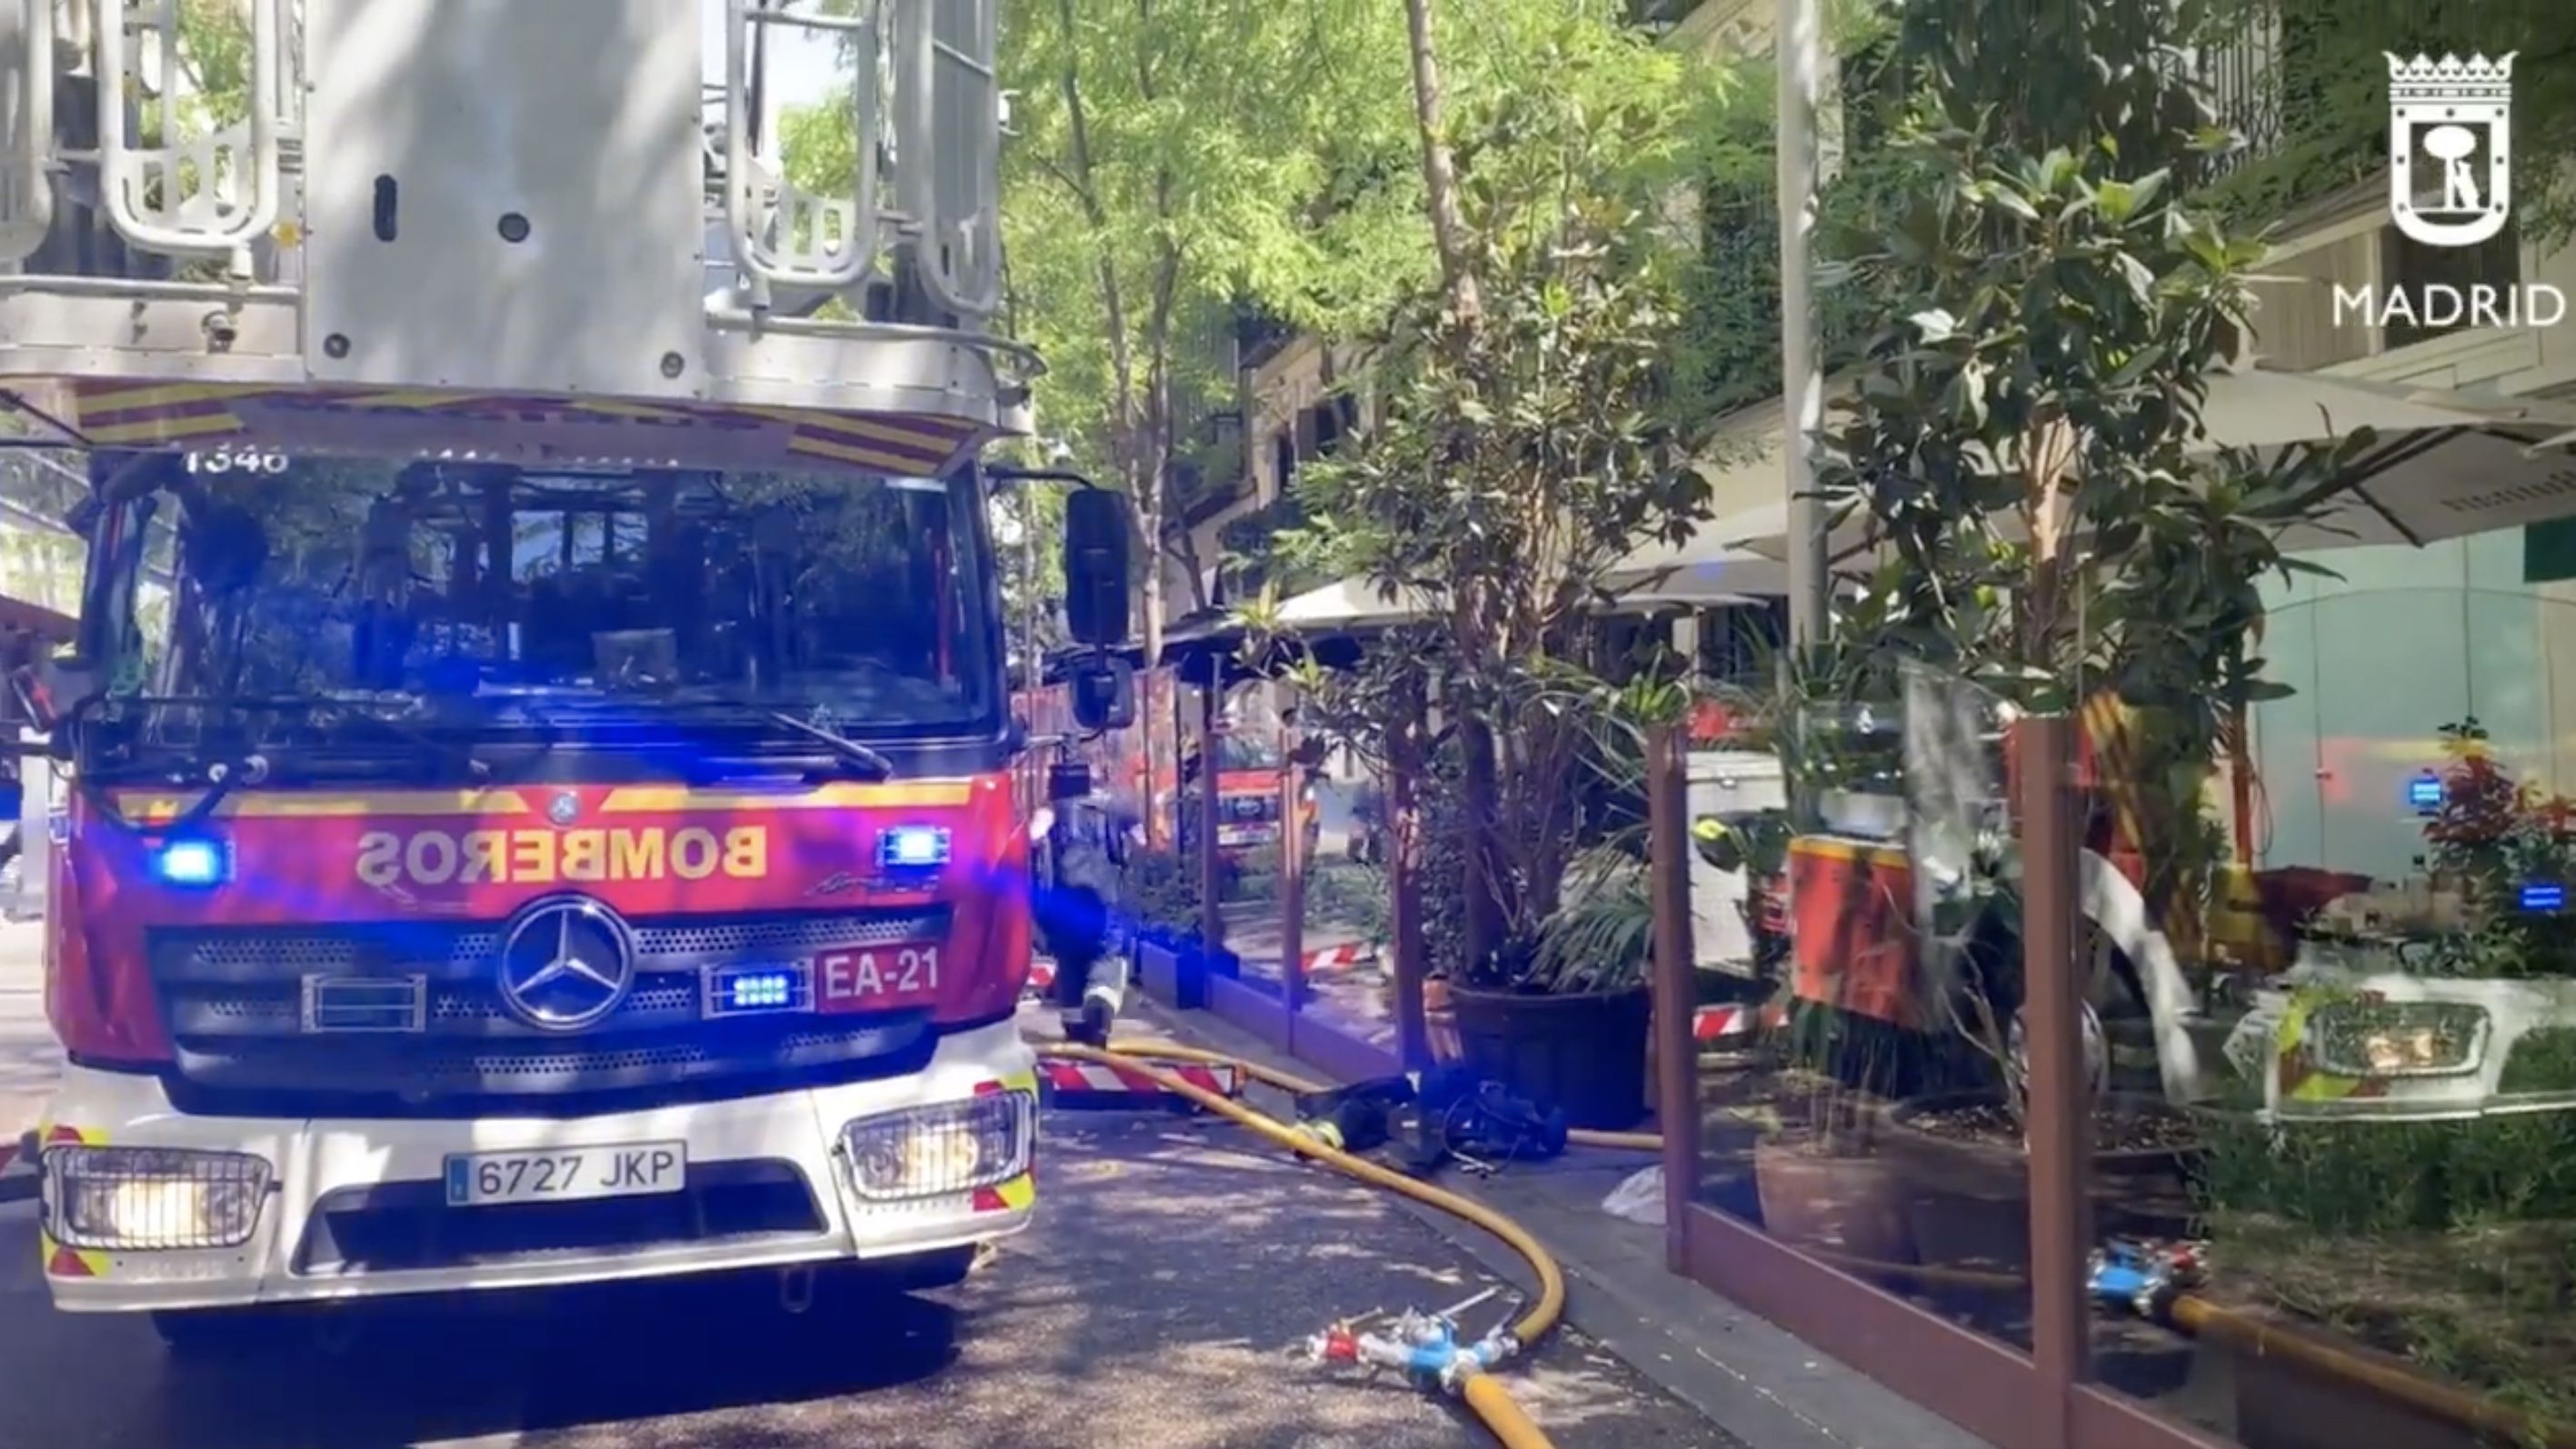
(1355, 605)
(2445, 465)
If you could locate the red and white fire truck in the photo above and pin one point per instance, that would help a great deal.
(536, 797)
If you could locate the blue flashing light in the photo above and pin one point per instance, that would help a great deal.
(759, 990)
(189, 863)
(913, 847)
(2543, 896)
(2424, 794)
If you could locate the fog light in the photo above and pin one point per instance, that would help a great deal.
(939, 1151)
(141, 1199)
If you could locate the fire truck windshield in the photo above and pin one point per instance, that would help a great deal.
(350, 604)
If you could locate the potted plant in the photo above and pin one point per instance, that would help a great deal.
(1818, 1174)
(1563, 1018)
(1960, 1145)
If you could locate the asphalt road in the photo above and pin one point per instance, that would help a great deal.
(1158, 1304)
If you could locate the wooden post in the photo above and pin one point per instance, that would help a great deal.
(1292, 874)
(1404, 894)
(2059, 1108)
(1211, 879)
(1673, 1056)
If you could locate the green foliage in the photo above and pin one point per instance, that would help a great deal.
(1727, 351)
(2046, 385)
(2490, 835)
(2329, 94)
(1520, 458)
(2372, 1177)
(1603, 937)
(1160, 891)
(1353, 896)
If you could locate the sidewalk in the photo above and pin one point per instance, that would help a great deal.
(29, 1060)
(1746, 1376)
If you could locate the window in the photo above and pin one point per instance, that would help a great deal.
(501, 599)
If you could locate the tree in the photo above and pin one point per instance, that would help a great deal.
(1524, 447)
(2060, 310)
(1162, 160)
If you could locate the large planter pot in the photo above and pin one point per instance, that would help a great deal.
(1852, 1204)
(1583, 1054)
(1969, 1199)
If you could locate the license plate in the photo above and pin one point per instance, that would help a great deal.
(566, 1174)
(877, 978)
(1243, 834)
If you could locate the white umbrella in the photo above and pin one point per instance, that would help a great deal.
(1355, 604)
(2445, 464)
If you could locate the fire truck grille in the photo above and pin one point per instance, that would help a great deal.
(407, 1226)
(235, 1004)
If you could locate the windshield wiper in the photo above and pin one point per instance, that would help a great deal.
(868, 760)
(338, 711)
(871, 760)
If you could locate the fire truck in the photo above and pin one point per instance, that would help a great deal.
(536, 799)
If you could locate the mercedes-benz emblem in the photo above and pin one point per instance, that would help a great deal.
(566, 963)
(565, 808)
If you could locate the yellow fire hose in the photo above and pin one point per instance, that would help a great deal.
(2191, 1314)
(2201, 1318)
(1483, 1393)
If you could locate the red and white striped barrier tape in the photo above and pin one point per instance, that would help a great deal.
(1091, 1080)
(1335, 960)
(1732, 1022)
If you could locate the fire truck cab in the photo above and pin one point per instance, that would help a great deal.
(533, 774)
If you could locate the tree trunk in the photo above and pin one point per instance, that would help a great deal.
(1125, 424)
(1439, 167)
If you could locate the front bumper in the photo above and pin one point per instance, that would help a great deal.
(354, 1207)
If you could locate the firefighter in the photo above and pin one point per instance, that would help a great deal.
(1077, 905)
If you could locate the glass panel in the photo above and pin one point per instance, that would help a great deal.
(1347, 925)
(1245, 778)
(2384, 1157)
(1877, 1127)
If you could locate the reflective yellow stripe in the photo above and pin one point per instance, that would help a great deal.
(841, 795)
(165, 395)
(154, 430)
(1019, 1192)
(288, 805)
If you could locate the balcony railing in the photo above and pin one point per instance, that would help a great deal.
(2244, 76)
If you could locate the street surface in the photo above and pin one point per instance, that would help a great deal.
(1158, 1303)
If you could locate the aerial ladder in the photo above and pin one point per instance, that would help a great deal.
(343, 302)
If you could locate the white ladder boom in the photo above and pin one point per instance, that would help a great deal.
(783, 235)
(26, 127)
(210, 195)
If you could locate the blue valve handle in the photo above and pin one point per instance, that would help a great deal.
(2141, 1277)
(1425, 1348)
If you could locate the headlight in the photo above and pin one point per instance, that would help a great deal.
(142, 1199)
(2399, 1039)
(940, 1151)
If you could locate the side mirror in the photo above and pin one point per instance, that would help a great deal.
(1104, 693)
(1095, 567)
